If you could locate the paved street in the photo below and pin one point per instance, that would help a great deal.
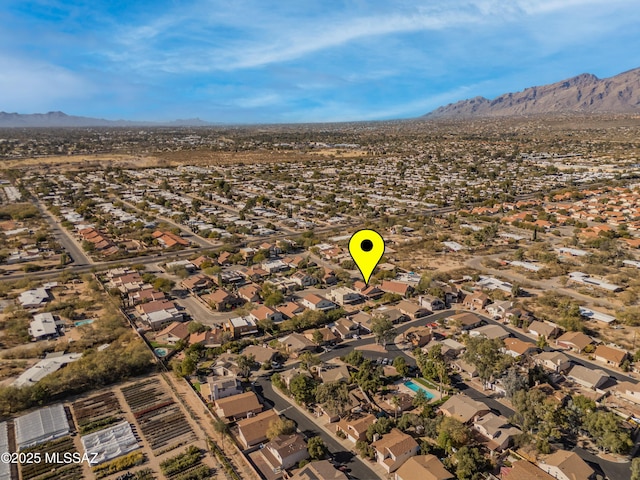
(63, 238)
(358, 467)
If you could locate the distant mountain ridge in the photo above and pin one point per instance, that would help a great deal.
(584, 93)
(61, 119)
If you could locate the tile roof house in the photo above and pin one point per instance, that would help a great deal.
(554, 361)
(412, 310)
(490, 331)
(222, 300)
(523, 470)
(223, 387)
(463, 408)
(239, 406)
(539, 329)
(576, 341)
(423, 467)
(497, 430)
(327, 335)
(173, 333)
(260, 354)
(252, 431)
(208, 338)
(316, 302)
(285, 451)
(610, 355)
(250, 293)
(265, 313)
(355, 428)
(629, 391)
(476, 301)
(296, 343)
(290, 309)
(517, 348)
(565, 465)
(197, 283)
(399, 288)
(465, 320)
(588, 377)
(394, 448)
(431, 302)
(319, 470)
(335, 374)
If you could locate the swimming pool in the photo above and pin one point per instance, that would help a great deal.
(161, 352)
(79, 323)
(411, 385)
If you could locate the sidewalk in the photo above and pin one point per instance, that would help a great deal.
(346, 444)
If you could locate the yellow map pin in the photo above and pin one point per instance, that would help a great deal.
(366, 248)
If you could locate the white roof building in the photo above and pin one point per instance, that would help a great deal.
(34, 298)
(43, 325)
(110, 443)
(43, 425)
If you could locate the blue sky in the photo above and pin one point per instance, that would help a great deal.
(254, 61)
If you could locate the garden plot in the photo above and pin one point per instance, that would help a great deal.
(160, 418)
(97, 412)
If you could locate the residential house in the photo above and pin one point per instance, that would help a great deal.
(145, 295)
(565, 465)
(464, 367)
(285, 451)
(252, 431)
(610, 355)
(261, 354)
(240, 326)
(465, 320)
(497, 430)
(432, 303)
(208, 338)
(345, 328)
(315, 302)
(393, 449)
(355, 428)
(517, 348)
(412, 310)
(224, 258)
(291, 373)
(575, 341)
(556, 362)
(329, 277)
(523, 470)
(265, 313)
(344, 296)
(222, 301)
(303, 279)
(372, 292)
(476, 301)
(418, 336)
(296, 343)
(394, 315)
(238, 406)
(463, 408)
(169, 240)
(328, 337)
(339, 373)
(223, 387)
(173, 333)
(499, 309)
(290, 309)
(250, 293)
(159, 313)
(490, 331)
(35, 298)
(588, 377)
(197, 283)
(203, 260)
(423, 467)
(403, 289)
(629, 391)
(43, 326)
(543, 329)
(319, 470)
(363, 321)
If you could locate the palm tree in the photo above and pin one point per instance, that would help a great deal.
(395, 401)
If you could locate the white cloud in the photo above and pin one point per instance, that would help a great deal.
(36, 86)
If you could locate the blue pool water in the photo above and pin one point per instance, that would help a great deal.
(411, 385)
(83, 322)
(161, 352)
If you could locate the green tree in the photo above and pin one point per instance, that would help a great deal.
(273, 299)
(383, 329)
(485, 355)
(470, 463)
(606, 430)
(196, 327)
(280, 426)
(334, 396)
(316, 447)
(163, 284)
(245, 364)
(400, 364)
(317, 337)
(302, 388)
(453, 434)
(635, 469)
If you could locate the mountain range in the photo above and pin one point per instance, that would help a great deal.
(584, 93)
(61, 119)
